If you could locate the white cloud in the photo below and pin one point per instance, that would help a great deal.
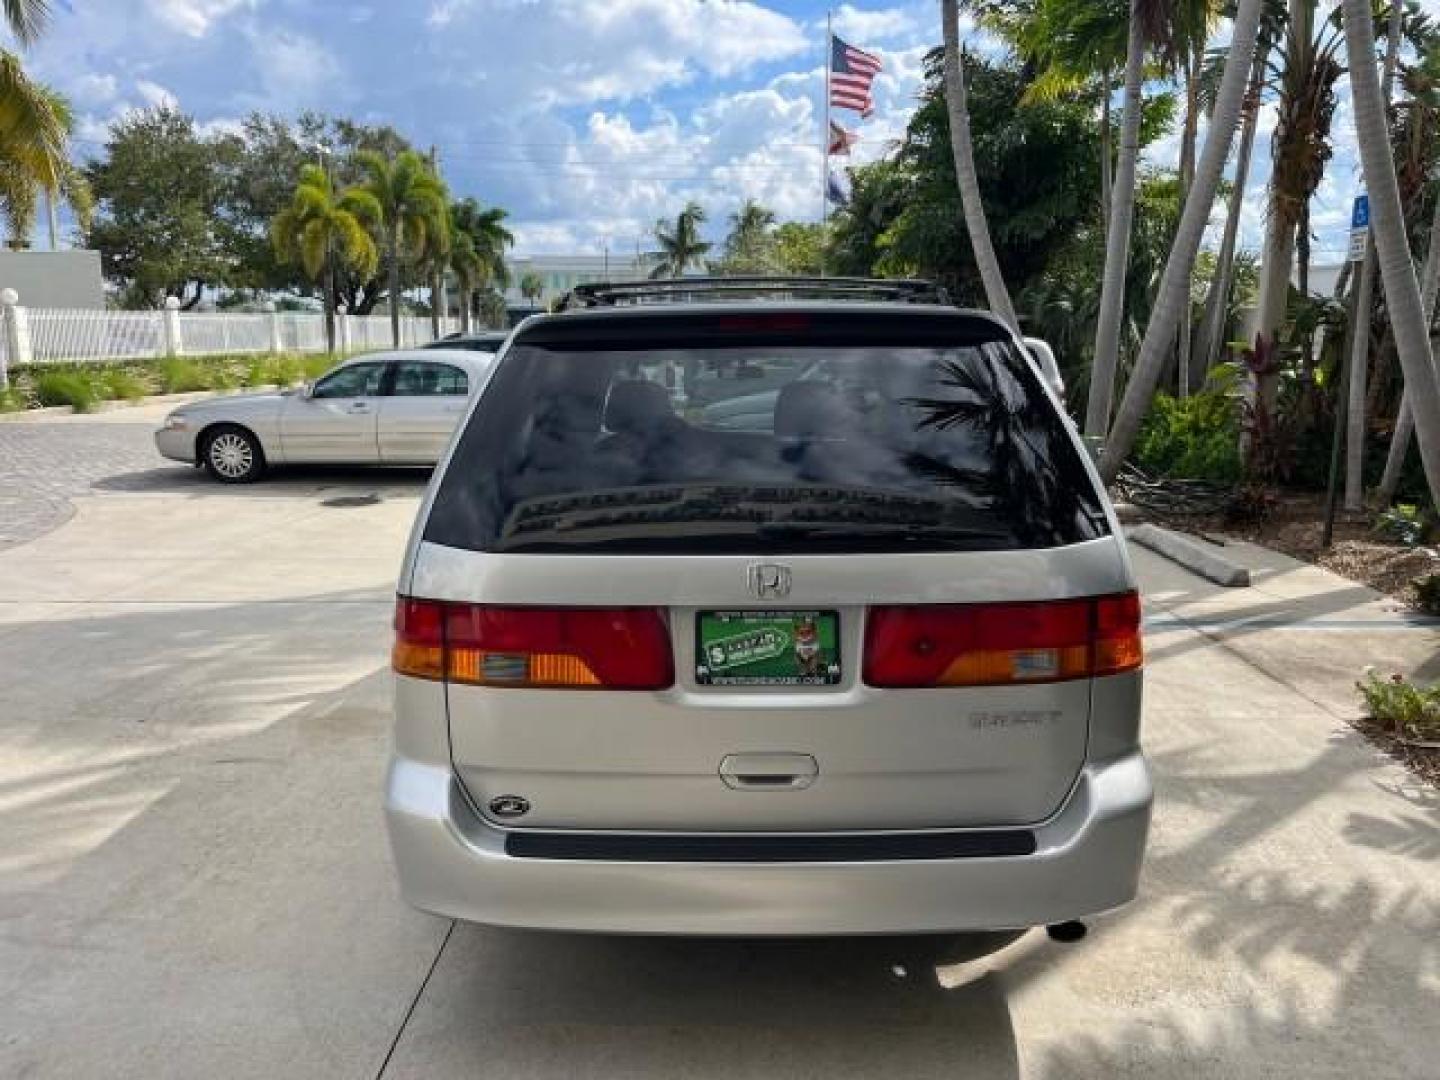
(155, 96)
(865, 27)
(94, 89)
(194, 18)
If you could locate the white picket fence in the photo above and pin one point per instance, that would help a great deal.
(60, 336)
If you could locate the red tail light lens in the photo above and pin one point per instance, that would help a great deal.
(571, 648)
(1002, 644)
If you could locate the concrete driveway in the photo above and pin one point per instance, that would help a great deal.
(194, 879)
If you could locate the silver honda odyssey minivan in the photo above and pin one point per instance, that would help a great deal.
(792, 611)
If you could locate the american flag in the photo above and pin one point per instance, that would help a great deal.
(852, 71)
(841, 139)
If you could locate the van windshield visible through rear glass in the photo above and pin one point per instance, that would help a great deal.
(791, 448)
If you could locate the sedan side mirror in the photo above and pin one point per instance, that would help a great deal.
(306, 391)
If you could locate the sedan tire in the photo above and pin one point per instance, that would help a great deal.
(232, 455)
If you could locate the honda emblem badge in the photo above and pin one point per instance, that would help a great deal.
(769, 580)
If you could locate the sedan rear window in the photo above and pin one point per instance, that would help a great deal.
(791, 448)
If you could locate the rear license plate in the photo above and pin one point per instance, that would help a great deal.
(767, 648)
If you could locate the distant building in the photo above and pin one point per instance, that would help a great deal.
(561, 273)
(53, 279)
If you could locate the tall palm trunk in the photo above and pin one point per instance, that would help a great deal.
(437, 300)
(1355, 410)
(1117, 239)
(1217, 304)
(1387, 225)
(1173, 297)
(330, 301)
(1405, 420)
(1107, 156)
(1187, 179)
(1277, 259)
(996, 295)
(392, 252)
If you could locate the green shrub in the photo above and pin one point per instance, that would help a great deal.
(1427, 594)
(315, 365)
(257, 372)
(286, 370)
(66, 388)
(181, 376)
(121, 384)
(1404, 523)
(1400, 707)
(1195, 438)
(12, 400)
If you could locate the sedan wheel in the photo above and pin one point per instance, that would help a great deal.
(233, 456)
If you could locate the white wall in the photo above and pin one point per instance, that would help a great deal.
(53, 279)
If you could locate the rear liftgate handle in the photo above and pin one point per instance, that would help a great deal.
(768, 772)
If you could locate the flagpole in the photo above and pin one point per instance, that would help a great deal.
(825, 142)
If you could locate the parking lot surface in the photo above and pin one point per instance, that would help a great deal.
(194, 879)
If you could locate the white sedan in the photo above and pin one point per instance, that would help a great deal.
(393, 408)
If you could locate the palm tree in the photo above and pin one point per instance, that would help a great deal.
(1387, 224)
(486, 228)
(680, 245)
(469, 268)
(434, 262)
(1364, 299)
(966, 178)
(412, 204)
(749, 248)
(1419, 122)
(1173, 298)
(1117, 237)
(324, 231)
(532, 286)
(35, 127)
(1304, 76)
(1217, 300)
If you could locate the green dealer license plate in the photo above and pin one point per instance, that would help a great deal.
(767, 648)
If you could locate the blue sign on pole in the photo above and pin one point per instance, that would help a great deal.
(1360, 215)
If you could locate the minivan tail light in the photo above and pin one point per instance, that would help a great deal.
(1002, 644)
(564, 648)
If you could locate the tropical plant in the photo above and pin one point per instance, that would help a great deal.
(680, 243)
(966, 178)
(1403, 301)
(485, 226)
(1174, 295)
(434, 262)
(1405, 524)
(532, 286)
(323, 230)
(1194, 438)
(750, 246)
(412, 203)
(1403, 708)
(35, 127)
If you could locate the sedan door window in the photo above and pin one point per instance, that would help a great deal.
(414, 379)
(356, 380)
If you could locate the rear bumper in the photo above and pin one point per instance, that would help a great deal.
(453, 863)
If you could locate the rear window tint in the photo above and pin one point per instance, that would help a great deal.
(790, 448)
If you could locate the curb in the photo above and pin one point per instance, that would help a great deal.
(103, 407)
(1194, 556)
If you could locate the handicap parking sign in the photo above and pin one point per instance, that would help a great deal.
(1360, 215)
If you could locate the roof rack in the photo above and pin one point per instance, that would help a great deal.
(690, 289)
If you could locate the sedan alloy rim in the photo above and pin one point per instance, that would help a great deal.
(231, 455)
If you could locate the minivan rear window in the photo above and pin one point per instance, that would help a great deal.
(758, 449)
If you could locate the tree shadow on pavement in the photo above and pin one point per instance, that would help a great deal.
(515, 1003)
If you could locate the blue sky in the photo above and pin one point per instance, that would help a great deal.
(588, 119)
